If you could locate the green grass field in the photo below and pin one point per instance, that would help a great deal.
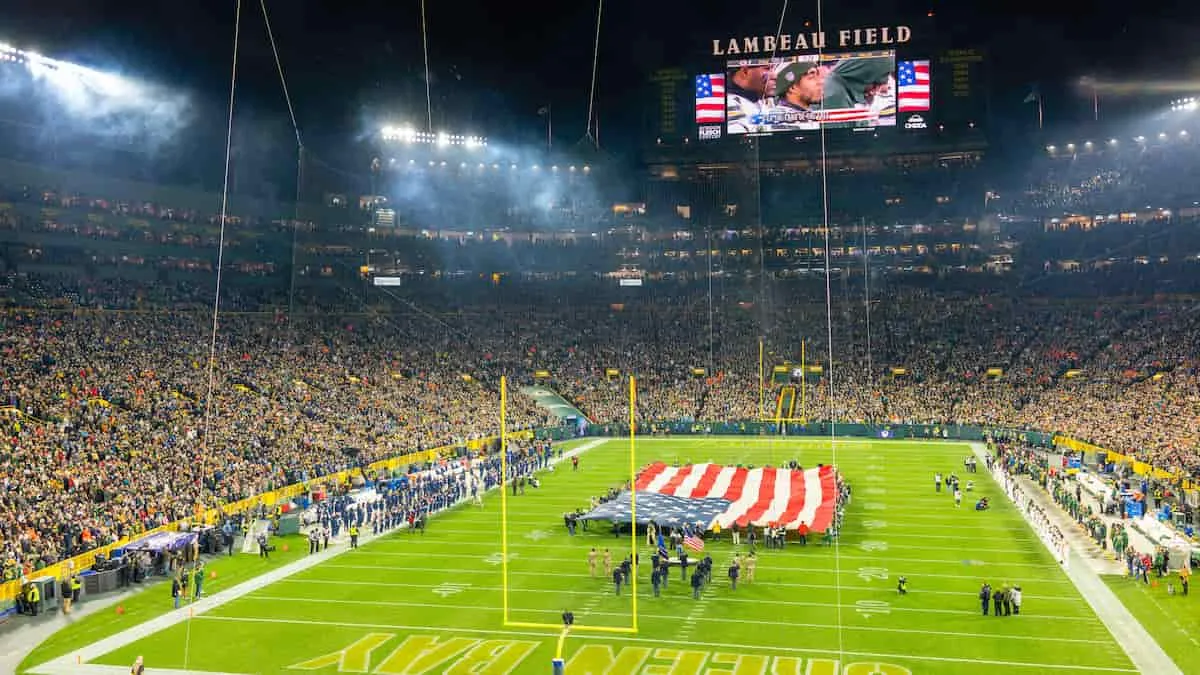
(1173, 620)
(412, 604)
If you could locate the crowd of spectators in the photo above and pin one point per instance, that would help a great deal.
(112, 423)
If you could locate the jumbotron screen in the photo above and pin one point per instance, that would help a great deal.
(804, 93)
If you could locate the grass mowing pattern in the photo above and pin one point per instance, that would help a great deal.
(446, 584)
(1173, 620)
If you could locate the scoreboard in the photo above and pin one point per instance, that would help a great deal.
(873, 79)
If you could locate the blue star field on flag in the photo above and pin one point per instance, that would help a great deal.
(664, 510)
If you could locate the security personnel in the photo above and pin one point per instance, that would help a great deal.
(76, 588)
(354, 536)
(33, 598)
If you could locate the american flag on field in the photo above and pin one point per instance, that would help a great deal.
(693, 542)
(912, 86)
(704, 495)
(710, 98)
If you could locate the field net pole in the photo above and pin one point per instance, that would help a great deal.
(504, 493)
(829, 372)
(762, 387)
(633, 539)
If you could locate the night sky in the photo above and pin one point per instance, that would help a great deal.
(495, 63)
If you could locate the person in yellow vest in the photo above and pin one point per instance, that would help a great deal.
(76, 588)
(353, 536)
(33, 597)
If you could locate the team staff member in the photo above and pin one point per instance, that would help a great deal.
(799, 88)
(747, 91)
(354, 536)
(805, 88)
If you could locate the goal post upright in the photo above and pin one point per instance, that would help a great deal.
(762, 387)
(633, 495)
(504, 493)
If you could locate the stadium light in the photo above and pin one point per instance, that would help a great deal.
(1050, 148)
(408, 135)
(1112, 141)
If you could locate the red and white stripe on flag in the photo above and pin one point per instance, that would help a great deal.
(912, 86)
(693, 542)
(710, 98)
(757, 496)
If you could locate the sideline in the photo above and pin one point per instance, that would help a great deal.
(76, 663)
(1130, 634)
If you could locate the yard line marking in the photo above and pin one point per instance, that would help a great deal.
(975, 578)
(575, 547)
(692, 617)
(1051, 598)
(937, 561)
(658, 641)
(794, 603)
(98, 669)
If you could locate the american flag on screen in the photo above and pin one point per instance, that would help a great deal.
(912, 86)
(710, 98)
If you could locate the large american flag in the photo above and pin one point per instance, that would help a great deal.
(912, 86)
(710, 98)
(744, 496)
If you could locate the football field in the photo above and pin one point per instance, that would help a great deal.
(433, 603)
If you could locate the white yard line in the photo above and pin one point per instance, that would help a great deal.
(794, 603)
(491, 572)
(695, 615)
(97, 669)
(882, 556)
(1130, 634)
(738, 647)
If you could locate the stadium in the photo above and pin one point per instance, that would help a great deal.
(824, 362)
